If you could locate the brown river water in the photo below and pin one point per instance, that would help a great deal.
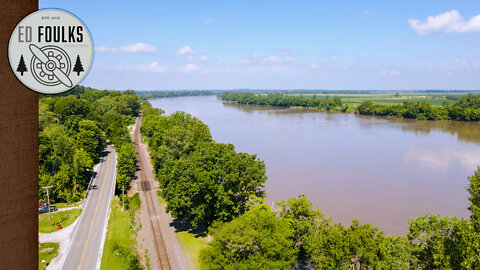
(376, 170)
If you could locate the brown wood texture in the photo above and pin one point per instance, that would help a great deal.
(18, 153)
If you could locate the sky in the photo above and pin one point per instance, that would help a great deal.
(276, 44)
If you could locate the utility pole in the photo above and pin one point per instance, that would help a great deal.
(48, 204)
(123, 198)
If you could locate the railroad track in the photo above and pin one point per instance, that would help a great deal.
(151, 198)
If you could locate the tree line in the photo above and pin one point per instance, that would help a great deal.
(202, 181)
(297, 235)
(465, 108)
(144, 95)
(73, 129)
(215, 189)
(280, 99)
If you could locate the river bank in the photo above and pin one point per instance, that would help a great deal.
(378, 170)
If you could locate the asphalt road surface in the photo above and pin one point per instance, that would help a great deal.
(87, 238)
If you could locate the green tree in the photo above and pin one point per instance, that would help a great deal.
(126, 161)
(395, 253)
(302, 218)
(255, 240)
(332, 246)
(474, 198)
(437, 241)
(213, 183)
(327, 246)
(70, 106)
(472, 237)
(72, 129)
(82, 164)
(90, 138)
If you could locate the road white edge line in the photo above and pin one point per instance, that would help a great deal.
(105, 226)
(94, 179)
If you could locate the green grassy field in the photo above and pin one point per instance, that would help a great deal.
(192, 245)
(120, 249)
(354, 100)
(46, 251)
(65, 205)
(64, 218)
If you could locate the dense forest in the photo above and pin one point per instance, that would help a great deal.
(144, 95)
(73, 129)
(279, 99)
(214, 189)
(466, 108)
(202, 181)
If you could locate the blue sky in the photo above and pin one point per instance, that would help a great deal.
(282, 44)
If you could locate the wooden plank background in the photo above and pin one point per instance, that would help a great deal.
(18, 153)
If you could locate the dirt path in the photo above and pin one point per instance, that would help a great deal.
(156, 235)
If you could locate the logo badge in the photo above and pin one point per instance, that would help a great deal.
(50, 51)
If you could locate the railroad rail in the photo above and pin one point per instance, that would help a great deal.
(151, 198)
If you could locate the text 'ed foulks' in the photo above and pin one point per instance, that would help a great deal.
(66, 34)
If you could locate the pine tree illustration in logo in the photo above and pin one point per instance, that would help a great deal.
(21, 66)
(78, 66)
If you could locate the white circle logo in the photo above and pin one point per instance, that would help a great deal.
(50, 51)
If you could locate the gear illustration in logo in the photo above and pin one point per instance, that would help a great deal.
(50, 65)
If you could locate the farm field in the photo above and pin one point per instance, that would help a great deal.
(389, 98)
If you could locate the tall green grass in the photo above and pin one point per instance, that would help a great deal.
(120, 249)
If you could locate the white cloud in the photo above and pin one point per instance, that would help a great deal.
(186, 50)
(284, 51)
(249, 60)
(209, 20)
(447, 22)
(334, 58)
(245, 61)
(103, 49)
(460, 64)
(320, 67)
(203, 58)
(138, 47)
(389, 73)
(153, 67)
(191, 67)
(274, 59)
(279, 67)
(366, 12)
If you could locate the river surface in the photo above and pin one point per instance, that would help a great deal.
(373, 169)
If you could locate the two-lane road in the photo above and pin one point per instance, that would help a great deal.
(84, 249)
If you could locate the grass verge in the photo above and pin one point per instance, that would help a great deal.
(46, 251)
(192, 245)
(120, 249)
(65, 205)
(161, 200)
(64, 218)
(190, 242)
